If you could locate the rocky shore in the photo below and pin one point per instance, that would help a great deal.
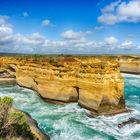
(95, 83)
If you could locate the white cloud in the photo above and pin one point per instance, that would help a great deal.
(131, 9)
(108, 18)
(71, 42)
(25, 14)
(5, 28)
(111, 7)
(120, 11)
(5, 31)
(111, 40)
(46, 22)
(127, 45)
(34, 39)
(3, 19)
(70, 34)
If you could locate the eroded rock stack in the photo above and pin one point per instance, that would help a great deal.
(95, 83)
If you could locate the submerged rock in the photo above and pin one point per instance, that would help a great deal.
(130, 121)
(94, 114)
(16, 125)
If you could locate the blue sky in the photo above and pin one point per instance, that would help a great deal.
(70, 26)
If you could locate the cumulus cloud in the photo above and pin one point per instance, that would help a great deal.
(70, 34)
(37, 43)
(120, 11)
(6, 31)
(46, 22)
(111, 40)
(70, 42)
(5, 28)
(111, 7)
(34, 39)
(127, 45)
(3, 19)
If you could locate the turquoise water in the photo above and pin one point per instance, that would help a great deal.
(70, 122)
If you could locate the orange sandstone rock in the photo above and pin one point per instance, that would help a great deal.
(95, 83)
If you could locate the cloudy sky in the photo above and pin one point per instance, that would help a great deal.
(70, 26)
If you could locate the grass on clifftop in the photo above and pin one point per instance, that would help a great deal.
(13, 124)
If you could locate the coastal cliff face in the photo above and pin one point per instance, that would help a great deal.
(129, 64)
(95, 83)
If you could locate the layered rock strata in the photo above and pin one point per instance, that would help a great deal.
(129, 64)
(95, 83)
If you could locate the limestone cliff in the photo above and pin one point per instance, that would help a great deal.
(129, 64)
(95, 83)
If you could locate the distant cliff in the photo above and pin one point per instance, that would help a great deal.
(95, 83)
(129, 64)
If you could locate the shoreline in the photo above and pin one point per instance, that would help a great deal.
(128, 72)
(8, 81)
(93, 113)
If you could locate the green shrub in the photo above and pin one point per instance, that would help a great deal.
(13, 123)
(55, 62)
(6, 100)
(23, 128)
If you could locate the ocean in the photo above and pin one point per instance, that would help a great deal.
(70, 122)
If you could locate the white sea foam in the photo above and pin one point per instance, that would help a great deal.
(130, 75)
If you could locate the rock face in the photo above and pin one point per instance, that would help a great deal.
(129, 64)
(95, 83)
(131, 121)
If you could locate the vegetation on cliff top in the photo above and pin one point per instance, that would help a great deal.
(13, 124)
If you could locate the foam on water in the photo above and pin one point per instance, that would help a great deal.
(130, 75)
(70, 122)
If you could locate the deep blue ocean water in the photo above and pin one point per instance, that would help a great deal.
(70, 122)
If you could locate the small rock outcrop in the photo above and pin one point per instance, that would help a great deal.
(95, 83)
(131, 121)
